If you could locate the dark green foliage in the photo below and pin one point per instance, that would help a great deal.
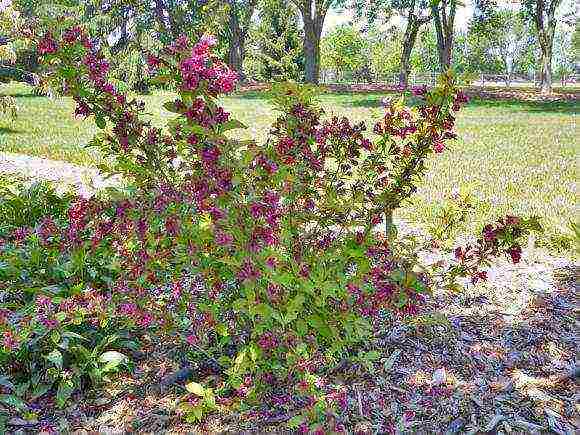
(23, 205)
(277, 43)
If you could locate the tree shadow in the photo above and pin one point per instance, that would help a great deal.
(25, 95)
(9, 130)
(559, 106)
(250, 95)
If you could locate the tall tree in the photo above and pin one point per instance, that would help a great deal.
(277, 42)
(543, 14)
(313, 14)
(416, 13)
(239, 19)
(344, 50)
(503, 35)
(444, 12)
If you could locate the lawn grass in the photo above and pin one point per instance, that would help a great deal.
(517, 157)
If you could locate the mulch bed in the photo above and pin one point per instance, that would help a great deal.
(497, 357)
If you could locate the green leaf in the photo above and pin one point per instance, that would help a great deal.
(295, 421)
(112, 359)
(161, 79)
(5, 382)
(195, 388)
(40, 390)
(372, 355)
(170, 107)
(55, 357)
(14, 402)
(301, 328)
(65, 390)
(263, 310)
(232, 124)
(70, 334)
(320, 325)
(100, 121)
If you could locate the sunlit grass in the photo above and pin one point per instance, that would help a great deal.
(518, 157)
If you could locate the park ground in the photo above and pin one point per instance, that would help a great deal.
(516, 154)
(499, 357)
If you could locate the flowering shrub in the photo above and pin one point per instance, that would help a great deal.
(266, 260)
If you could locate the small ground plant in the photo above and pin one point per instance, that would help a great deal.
(273, 261)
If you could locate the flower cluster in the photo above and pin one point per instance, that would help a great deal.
(501, 238)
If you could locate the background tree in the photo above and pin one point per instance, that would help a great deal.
(344, 49)
(426, 51)
(543, 14)
(443, 12)
(576, 42)
(563, 57)
(127, 29)
(313, 13)
(415, 13)
(239, 18)
(385, 51)
(500, 37)
(276, 42)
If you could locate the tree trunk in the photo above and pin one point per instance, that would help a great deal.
(235, 57)
(546, 70)
(311, 52)
(408, 44)
(544, 18)
(444, 28)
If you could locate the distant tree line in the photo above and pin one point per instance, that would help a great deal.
(269, 40)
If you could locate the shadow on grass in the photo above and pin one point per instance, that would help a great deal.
(374, 101)
(565, 107)
(8, 130)
(251, 95)
(23, 95)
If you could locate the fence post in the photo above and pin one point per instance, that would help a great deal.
(482, 80)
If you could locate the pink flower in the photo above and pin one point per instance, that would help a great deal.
(223, 239)
(419, 90)
(82, 109)
(210, 154)
(172, 225)
(256, 210)
(248, 271)
(153, 62)
(9, 341)
(515, 253)
(268, 341)
(204, 44)
(47, 45)
(271, 262)
(438, 146)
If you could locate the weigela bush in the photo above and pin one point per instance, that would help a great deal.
(266, 260)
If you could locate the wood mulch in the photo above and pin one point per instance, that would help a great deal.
(496, 358)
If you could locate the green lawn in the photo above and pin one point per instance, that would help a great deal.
(518, 157)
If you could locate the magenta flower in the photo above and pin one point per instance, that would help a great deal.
(153, 62)
(172, 225)
(223, 239)
(438, 147)
(47, 45)
(9, 341)
(271, 262)
(515, 253)
(248, 271)
(210, 155)
(419, 90)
